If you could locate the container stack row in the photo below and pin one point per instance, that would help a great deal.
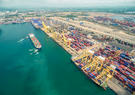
(123, 65)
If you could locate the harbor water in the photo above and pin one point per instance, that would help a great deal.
(24, 71)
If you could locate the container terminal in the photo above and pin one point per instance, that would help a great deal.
(107, 65)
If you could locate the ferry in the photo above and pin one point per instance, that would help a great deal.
(35, 41)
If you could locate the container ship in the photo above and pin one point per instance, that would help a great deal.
(35, 41)
(36, 23)
(91, 74)
(107, 63)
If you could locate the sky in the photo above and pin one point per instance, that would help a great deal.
(65, 3)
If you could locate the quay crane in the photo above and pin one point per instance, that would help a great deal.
(56, 35)
(67, 42)
(45, 27)
(96, 63)
(84, 54)
(87, 52)
(88, 59)
(105, 75)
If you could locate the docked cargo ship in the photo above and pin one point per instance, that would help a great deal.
(35, 41)
(90, 74)
(100, 69)
(36, 23)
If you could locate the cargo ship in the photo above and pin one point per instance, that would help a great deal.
(35, 41)
(94, 67)
(36, 23)
(91, 75)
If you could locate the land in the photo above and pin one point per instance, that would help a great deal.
(90, 28)
(79, 32)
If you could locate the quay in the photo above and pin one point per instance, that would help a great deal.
(106, 72)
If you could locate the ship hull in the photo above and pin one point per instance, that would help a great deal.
(35, 41)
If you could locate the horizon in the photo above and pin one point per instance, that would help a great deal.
(65, 3)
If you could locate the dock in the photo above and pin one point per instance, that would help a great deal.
(97, 60)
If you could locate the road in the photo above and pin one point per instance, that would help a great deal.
(100, 30)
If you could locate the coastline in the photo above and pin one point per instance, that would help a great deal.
(117, 88)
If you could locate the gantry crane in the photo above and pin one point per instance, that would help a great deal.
(90, 53)
(67, 42)
(106, 71)
(96, 63)
(108, 77)
(99, 67)
(64, 39)
(105, 75)
(85, 57)
(45, 27)
(56, 35)
(85, 54)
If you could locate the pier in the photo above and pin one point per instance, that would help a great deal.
(101, 68)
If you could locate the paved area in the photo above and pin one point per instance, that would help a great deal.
(101, 30)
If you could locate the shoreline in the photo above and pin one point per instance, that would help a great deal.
(119, 91)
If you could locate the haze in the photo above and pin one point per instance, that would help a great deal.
(65, 3)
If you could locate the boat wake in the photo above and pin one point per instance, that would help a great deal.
(36, 53)
(30, 49)
(33, 51)
(22, 39)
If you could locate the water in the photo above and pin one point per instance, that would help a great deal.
(50, 72)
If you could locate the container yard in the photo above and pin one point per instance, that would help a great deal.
(123, 22)
(107, 65)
